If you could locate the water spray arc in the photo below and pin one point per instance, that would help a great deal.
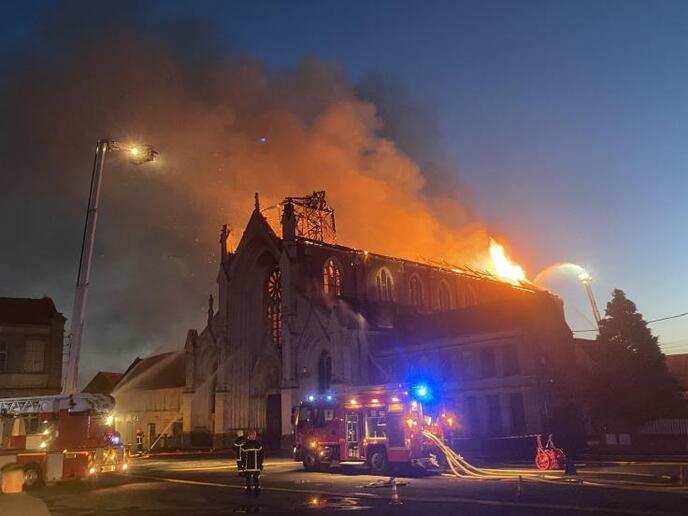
(586, 279)
(583, 276)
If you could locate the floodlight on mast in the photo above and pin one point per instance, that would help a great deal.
(136, 154)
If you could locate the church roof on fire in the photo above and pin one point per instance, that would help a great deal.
(441, 265)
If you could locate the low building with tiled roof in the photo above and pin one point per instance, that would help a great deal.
(103, 382)
(148, 396)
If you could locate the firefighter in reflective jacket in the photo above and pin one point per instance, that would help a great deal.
(238, 445)
(252, 459)
(139, 441)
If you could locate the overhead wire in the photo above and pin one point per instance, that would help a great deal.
(648, 322)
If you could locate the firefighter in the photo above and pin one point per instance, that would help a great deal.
(252, 458)
(139, 441)
(238, 445)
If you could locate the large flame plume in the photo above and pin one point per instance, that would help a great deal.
(504, 268)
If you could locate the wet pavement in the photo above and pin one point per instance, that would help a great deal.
(199, 487)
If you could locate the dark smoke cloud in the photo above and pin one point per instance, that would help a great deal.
(156, 251)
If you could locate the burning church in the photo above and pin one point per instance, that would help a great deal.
(299, 313)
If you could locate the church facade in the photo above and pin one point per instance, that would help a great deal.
(299, 314)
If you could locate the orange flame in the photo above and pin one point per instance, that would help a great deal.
(505, 269)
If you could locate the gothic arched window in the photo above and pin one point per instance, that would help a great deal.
(324, 372)
(273, 290)
(469, 297)
(445, 297)
(384, 285)
(415, 291)
(332, 278)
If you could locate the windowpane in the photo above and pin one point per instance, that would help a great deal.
(274, 306)
(518, 413)
(377, 423)
(510, 360)
(473, 415)
(384, 286)
(324, 372)
(468, 296)
(487, 363)
(332, 278)
(494, 415)
(31, 424)
(415, 291)
(3, 355)
(458, 364)
(395, 430)
(34, 356)
(445, 300)
(304, 414)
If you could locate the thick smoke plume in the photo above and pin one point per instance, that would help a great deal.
(209, 116)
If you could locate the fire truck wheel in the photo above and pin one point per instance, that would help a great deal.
(33, 476)
(310, 461)
(378, 462)
(542, 460)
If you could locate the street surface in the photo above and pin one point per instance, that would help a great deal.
(204, 486)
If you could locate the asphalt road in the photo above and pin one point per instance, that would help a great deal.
(205, 486)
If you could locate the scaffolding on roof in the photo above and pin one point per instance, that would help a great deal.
(314, 217)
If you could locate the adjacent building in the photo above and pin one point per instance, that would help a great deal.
(148, 397)
(31, 347)
(299, 313)
(103, 382)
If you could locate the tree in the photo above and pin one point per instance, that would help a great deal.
(631, 382)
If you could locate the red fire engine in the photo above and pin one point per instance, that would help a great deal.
(59, 437)
(378, 427)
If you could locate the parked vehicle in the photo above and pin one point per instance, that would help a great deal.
(376, 427)
(60, 437)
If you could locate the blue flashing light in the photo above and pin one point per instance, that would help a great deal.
(422, 392)
(311, 397)
(329, 397)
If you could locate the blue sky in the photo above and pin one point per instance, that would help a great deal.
(567, 119)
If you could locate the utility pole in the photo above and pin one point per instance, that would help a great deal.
(138, 155)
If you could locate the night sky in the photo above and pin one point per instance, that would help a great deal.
(563, 124)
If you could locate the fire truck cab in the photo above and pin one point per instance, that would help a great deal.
(376, 428)
(59, 437)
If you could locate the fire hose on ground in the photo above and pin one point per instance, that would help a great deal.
(462, 469)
